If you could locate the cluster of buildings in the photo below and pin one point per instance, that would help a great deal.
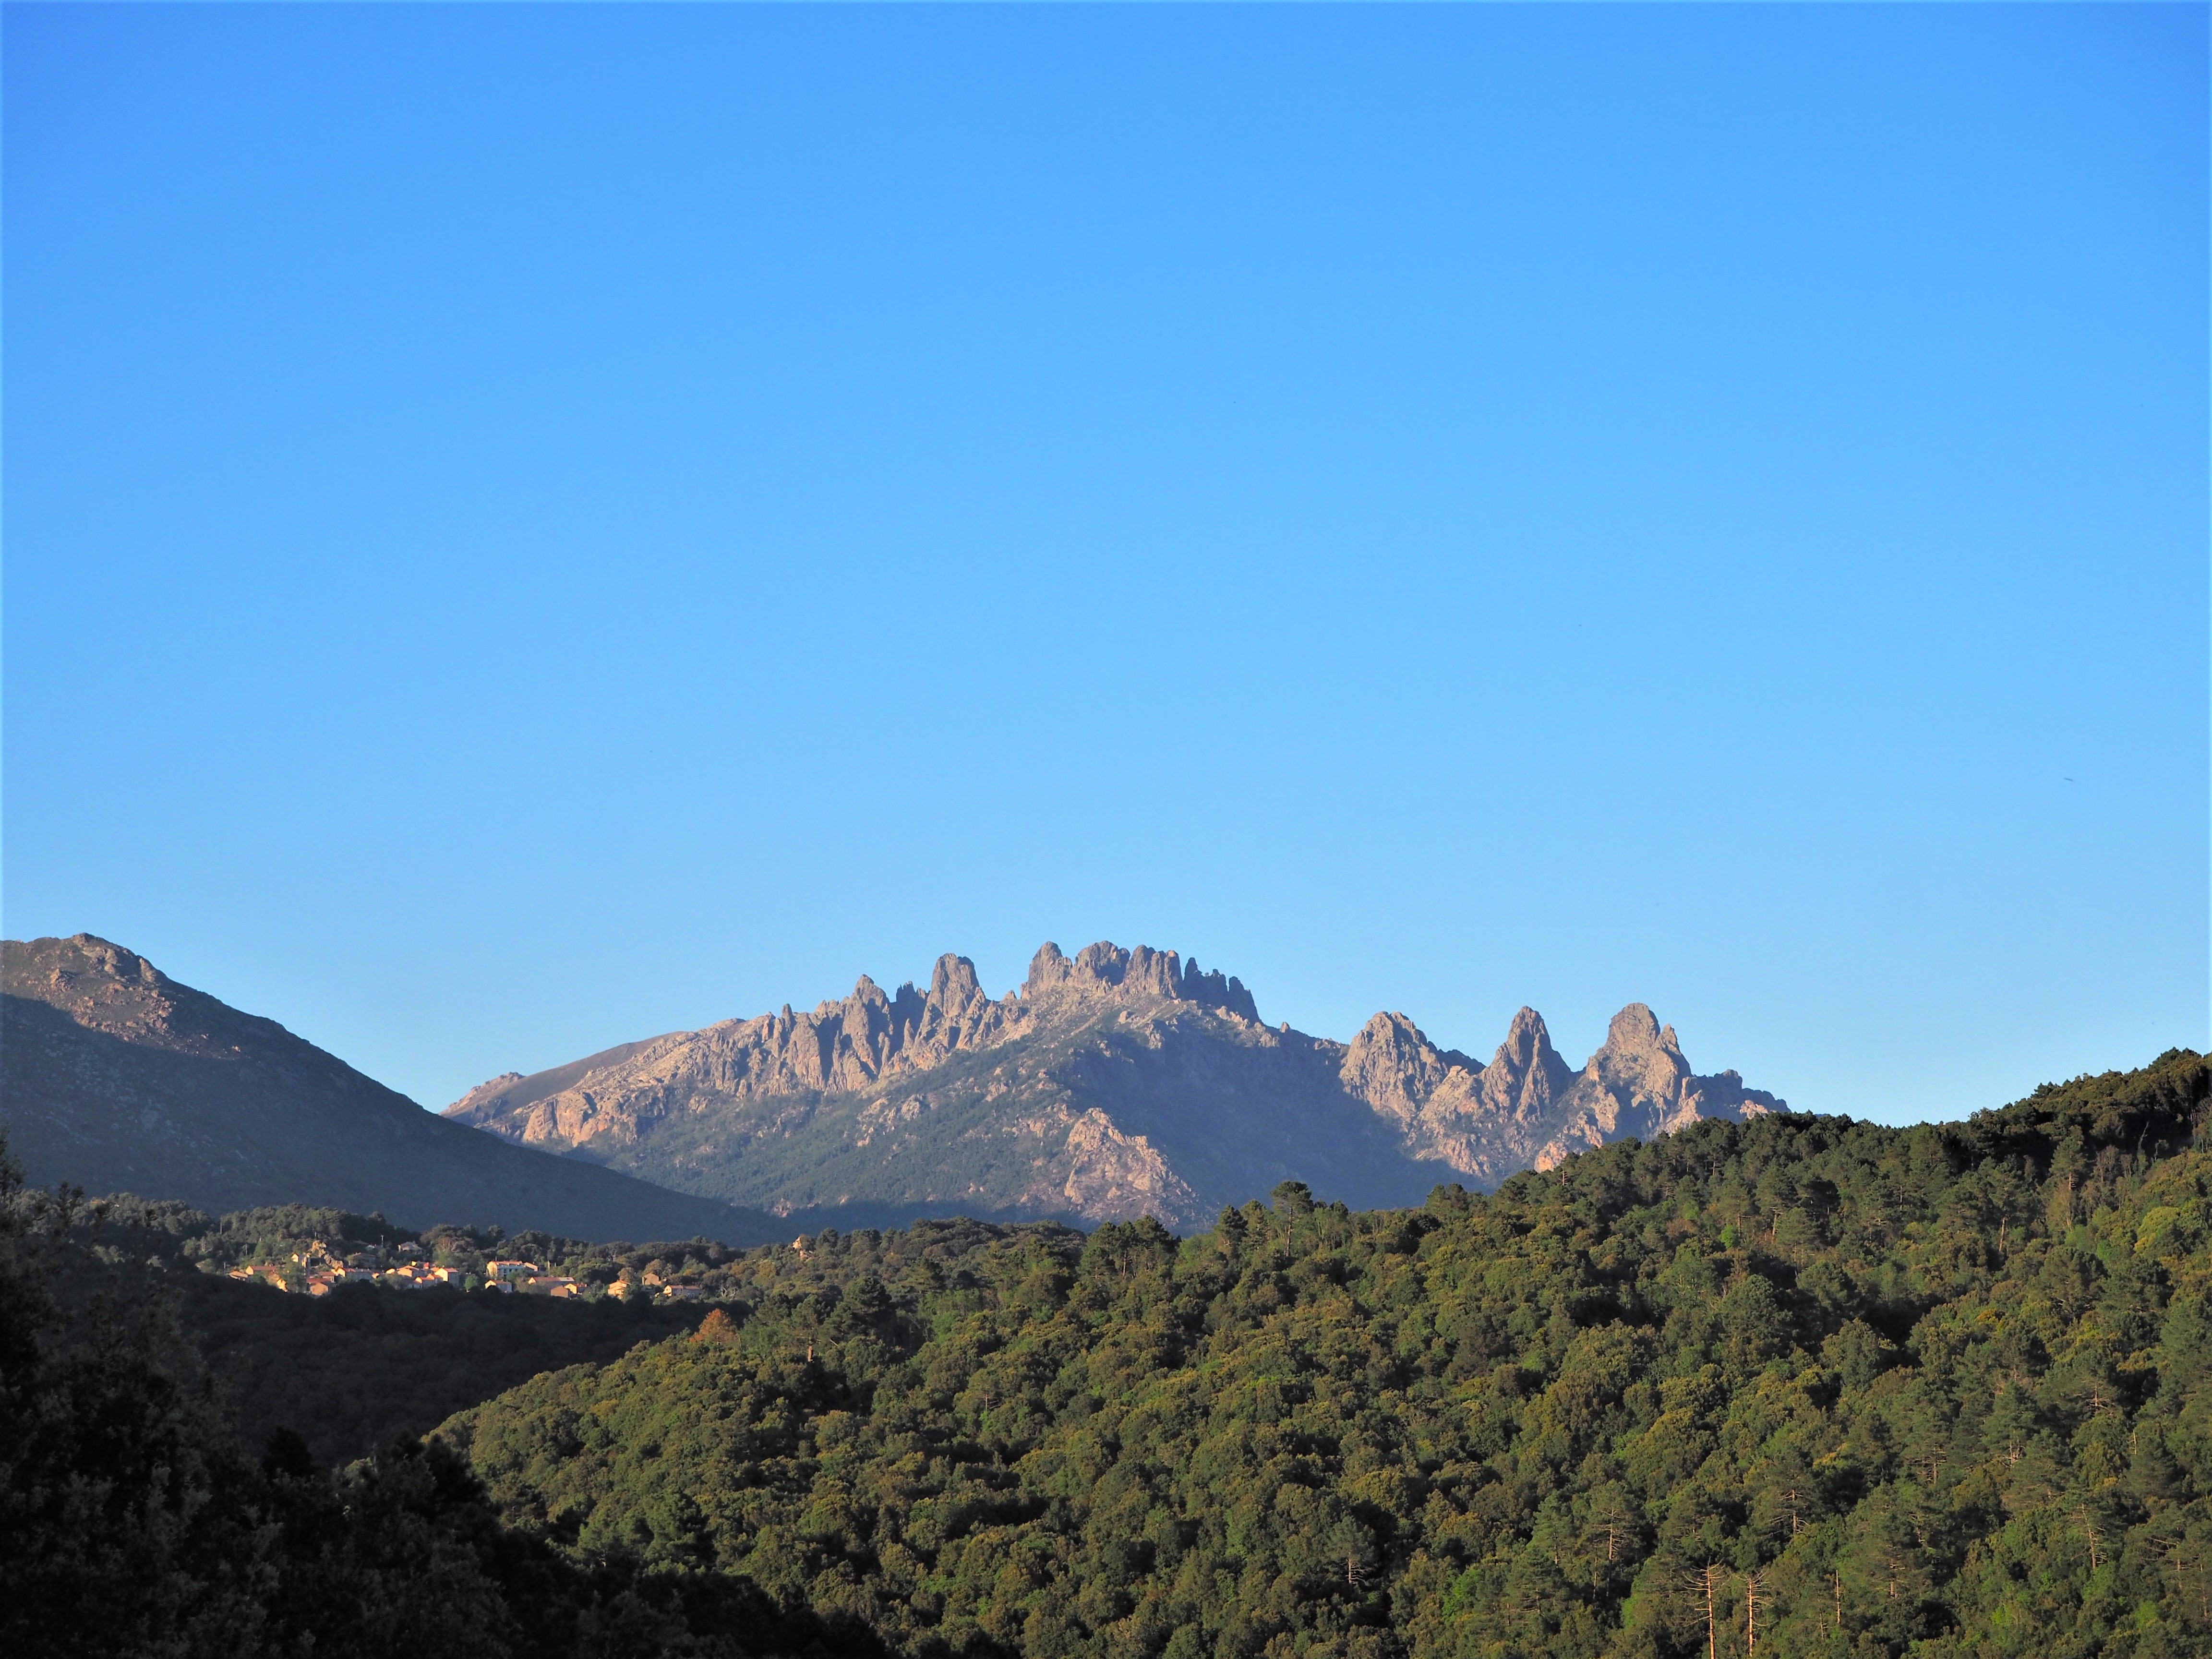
(529, 1278)
(649, 1286)
(316, 1271)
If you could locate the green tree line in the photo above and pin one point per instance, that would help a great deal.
(351, 1370)
(1801, 1386)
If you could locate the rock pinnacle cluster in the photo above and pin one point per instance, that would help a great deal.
(1112, 1084)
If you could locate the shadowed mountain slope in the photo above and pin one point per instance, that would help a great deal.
(1113, 1084)
(118, 1079)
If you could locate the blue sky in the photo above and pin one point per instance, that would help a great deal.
(529, 528)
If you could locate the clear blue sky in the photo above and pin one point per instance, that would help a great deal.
(526, 528)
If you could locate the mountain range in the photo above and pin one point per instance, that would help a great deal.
(1112, 1083)
(118, 1079)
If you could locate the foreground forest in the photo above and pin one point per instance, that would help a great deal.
(349, 1371)
(1799, 1385)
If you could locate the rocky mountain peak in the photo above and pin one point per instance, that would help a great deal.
(1217, 990)
(1529, 1106)
(1394, 1068)
(1526, 1075)
(953, 987)
(1640, 1054)
(1526, 1038)
(1395, 1035)
(1105, 970)
(102, 986)
(1101, 970)
(1108, 1073)
(85, 961)
(1048, 969)
(1640, 1084)
(1447, 1104)
(99, 955)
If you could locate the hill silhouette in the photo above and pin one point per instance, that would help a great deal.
(118, 1079)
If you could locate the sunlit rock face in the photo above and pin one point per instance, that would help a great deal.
(1111, 1084)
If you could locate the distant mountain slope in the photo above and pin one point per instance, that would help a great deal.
(1111, 1084)
(511, 1091)
(115, 1076)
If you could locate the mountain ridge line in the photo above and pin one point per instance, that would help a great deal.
(1109, 1059)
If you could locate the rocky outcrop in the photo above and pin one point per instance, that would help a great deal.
(1402, 1074)
(1526, 1109)
(1102, 1170)
(511, 1091)
(846, 1047)
(1111, 1084)
(1105, 970)
(1638, 1084)
(1526, 1077)
(1483, 1125)
(841, 1047)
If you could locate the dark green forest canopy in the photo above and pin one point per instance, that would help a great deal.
(1826, 1387)
(1802, 1386)
(349, 1371)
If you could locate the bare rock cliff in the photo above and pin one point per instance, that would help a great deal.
(1638, 1083)
(1482, 1124)
(845, 1047)
(1111, 1084)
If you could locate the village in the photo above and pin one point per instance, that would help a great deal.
(316, 1269)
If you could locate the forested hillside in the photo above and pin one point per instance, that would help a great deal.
(1798, 1386)
(349, 1371)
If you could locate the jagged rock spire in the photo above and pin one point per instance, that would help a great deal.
(1105, 969)
(1526, 1076)
(1117, 1077)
